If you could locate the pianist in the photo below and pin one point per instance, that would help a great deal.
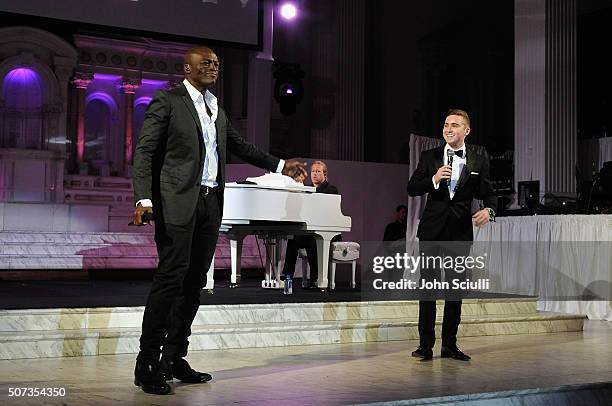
(179, 169)
(318, 177)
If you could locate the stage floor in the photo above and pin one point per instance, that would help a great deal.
(113, 292)
(332, 374)
(117, 293)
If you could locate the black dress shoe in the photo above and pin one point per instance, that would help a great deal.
(454, 353)
(148, 377)
(425, 353)
(180, 369)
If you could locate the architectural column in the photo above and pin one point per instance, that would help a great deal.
(350, 102)
(129, 86)
(81, 81)
(323, 137)
(63, 68)
(545, 94)
(260, 85)
(561, 98)
(339, 68)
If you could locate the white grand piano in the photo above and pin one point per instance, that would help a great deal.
(276, 207)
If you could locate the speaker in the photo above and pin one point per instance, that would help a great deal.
(529, 194)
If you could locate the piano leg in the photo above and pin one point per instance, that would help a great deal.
(236, 254)
(323, 239)
(278, 257)
(210, 277)
(272, 276)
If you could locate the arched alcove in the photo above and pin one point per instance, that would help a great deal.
(140, 108)
(23, 95)
(99, 111)
(35, 68)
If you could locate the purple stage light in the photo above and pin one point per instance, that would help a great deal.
(104, 98)
(288, 11)
(289, 91)
(156, 83)
(23, 88)
(23, 76)
(143, 100)
(105, 76)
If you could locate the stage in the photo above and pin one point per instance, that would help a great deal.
(313, 347)
(534, 367)
(113, 292)
(309, 348)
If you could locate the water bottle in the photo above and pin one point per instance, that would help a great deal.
(288, 285)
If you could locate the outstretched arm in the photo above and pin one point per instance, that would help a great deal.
(255, 156)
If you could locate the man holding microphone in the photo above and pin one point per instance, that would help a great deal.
(452, 175)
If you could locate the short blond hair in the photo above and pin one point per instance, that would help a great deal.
(322, 164)
(460, 113)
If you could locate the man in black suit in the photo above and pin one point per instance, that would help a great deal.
(318, 177)
(397, 230)
(179, 172)
(447, 220)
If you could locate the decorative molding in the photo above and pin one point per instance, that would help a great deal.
(159, 60)
(82, 80)
(130, 85)
(34, 38)
(21, 154)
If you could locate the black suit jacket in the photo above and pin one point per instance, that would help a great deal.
(169, 157)
(442, 216)
(326, 188)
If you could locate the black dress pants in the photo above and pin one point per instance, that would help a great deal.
(291, 254)
(452, 302)
(185, 253)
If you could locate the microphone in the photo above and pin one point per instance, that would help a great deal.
(449, 157)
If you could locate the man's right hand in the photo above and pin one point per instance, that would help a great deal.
(295, 169)
(444, 172)
(138, 213)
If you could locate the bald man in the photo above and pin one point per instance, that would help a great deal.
(179, 177)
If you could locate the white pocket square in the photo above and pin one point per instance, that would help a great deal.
(474, 173)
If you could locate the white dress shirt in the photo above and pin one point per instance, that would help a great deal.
(458, 163)
(209, 133)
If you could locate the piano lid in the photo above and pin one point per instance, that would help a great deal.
(246, 203)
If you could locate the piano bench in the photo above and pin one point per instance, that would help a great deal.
(343, 252)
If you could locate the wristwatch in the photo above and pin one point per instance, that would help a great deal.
(491, 213)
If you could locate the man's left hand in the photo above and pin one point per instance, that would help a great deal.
(481, 218)
(295, 169)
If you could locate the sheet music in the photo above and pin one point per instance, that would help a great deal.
(276, 181)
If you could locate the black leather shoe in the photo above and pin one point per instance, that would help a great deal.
(425, 353)
(180, 369)
(148, 377)
(454, 353)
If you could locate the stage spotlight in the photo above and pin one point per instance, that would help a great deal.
(288, 88)
(288, 11)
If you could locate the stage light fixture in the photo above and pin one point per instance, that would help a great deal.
(288, 87)
(288, 11)
(288, 90)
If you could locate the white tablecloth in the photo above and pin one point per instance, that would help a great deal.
(569, 254)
